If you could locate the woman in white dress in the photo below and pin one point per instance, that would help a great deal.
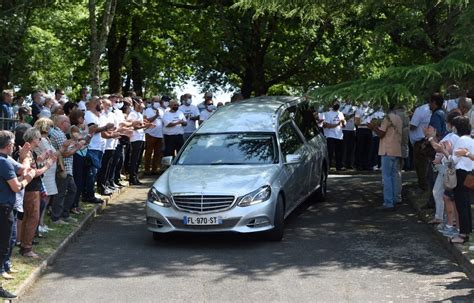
(49, 178)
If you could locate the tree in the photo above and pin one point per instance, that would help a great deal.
(99, 39)
(428, 46)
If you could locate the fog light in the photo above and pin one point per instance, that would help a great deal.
(259, 222)
(154, 222)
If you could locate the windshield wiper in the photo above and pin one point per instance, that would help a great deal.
(225, 163)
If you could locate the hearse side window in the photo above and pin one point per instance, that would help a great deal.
(290, 141)
(304, 119)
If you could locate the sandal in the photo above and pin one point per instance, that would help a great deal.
(458, 240)
(30, 254)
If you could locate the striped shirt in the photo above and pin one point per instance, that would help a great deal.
(57, 139)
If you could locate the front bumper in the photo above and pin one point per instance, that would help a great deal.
(237, 219)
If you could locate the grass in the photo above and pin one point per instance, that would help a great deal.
(44, 249)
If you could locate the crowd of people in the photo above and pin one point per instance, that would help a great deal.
(436, 140)
(55, 154)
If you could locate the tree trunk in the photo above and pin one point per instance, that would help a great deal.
(98, 41)
(136, 65)
(115, 56)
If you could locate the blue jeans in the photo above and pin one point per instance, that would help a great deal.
(95, 159)
(391, 185)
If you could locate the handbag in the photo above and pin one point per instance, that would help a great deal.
(469, 181)
(450, 180)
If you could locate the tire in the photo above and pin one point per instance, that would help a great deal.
(320, 194)
(276, 233)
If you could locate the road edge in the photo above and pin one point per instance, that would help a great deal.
(43, 266)
(459, 252)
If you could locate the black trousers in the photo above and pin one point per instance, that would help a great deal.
(349, 147)
(463, 204)
(6, 227)
(173, 143)
(136, 149)
(105, 168)
(335, 147)
(117, 163)
(364, 143)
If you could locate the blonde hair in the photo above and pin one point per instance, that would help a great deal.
(44, 125)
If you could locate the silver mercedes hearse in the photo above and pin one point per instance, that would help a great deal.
(244, 170)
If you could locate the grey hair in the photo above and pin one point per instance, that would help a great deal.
(31, 134)
(466, 102)
(6, 137)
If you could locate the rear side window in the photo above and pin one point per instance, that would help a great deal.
(304, 119)
(290, 141)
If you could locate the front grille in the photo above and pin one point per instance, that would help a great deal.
(203, 203)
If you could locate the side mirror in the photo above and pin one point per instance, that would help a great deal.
(293, 158)
(166, 161)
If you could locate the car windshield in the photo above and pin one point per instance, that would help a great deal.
(229, 149)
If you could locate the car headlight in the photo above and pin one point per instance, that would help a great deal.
(158, 198)
(257, 196)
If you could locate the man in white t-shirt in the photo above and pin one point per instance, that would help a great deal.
(111, 139)
(363, 136)
(137, 139)
(419, 121)
(333, 123)
(98, 126)
(349, 133)
(174, 122)
(123, 127)
(153, 136)
(84, 98)
(191, 112)
(207, 110)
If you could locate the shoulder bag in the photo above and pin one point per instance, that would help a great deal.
(450, 180)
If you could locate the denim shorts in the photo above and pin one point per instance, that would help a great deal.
(449, 193)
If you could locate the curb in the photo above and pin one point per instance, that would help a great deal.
(37, 273)
(459, 252)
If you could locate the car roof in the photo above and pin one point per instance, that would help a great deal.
(252, 115)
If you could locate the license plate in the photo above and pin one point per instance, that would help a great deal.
(202, 220)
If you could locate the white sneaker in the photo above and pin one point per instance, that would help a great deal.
(42, 229)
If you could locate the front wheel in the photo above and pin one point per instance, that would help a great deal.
(276, 234)
(321, 191)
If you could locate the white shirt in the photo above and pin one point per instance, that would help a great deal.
(450, 104)
(364, 113)
(205, 114)
(97, 142)
(189, 111)
(110, 143)
(349, 110)
(169, 117)
(138, 134)
(464, 162)
(157, 130)
(333, 117)
(82, 105)
(378, 115)
(421, 120)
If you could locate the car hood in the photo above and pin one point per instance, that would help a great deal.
(235, 180)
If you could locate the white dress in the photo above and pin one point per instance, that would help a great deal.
(49, 176)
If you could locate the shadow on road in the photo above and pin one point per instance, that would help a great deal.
(344, 232)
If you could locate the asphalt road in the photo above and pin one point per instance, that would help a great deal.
(338, 251)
